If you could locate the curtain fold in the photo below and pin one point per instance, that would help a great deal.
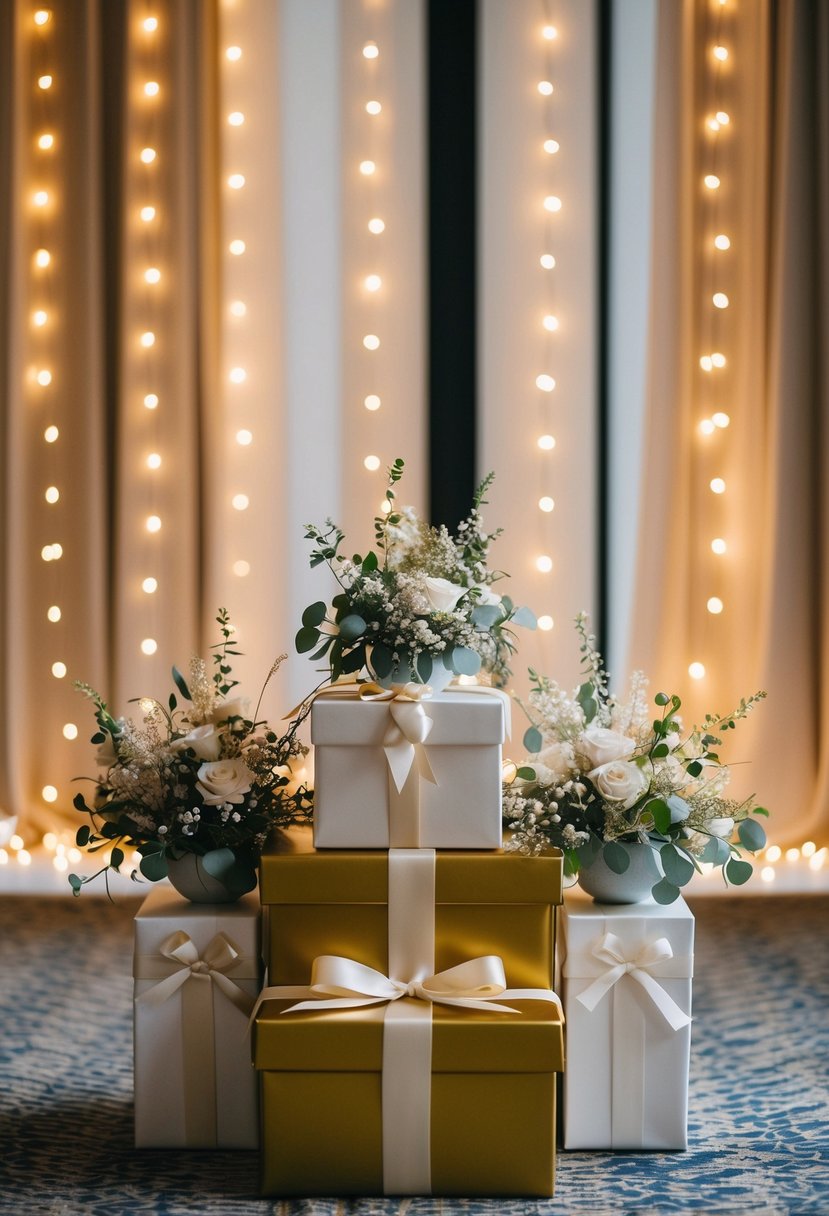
(771, 579)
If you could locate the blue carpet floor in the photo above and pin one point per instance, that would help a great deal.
(759, 1117)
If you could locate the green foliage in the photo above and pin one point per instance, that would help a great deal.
(615, 857)
(533, 740)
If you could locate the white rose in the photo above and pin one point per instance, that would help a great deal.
(203, 740)
(486, 595)
(599, 745)
(559, 758)
(224, 781)
(619, 781)
(441, 594)
(237, 708)
(722, 827)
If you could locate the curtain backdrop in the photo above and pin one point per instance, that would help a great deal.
(772, 160)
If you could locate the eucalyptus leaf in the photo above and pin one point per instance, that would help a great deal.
(661, 813)
(314, 614)
(425, 666)
(181, 684)
(751, 834)
(381, 660)
(369, 562)
(678, 869)
(75, 883)
(465, 661)
(116, 858)
(586, 697)
(352, 627)
(218, 861)
(678, 808)
(615, 857)
(82, 836)
(716, 851)
(484, 616)
(525, 617)
(665, 892)
(306, 639)
(525, 773)
(737, 872)
(662, 698)
(154, 866)
(533, 739)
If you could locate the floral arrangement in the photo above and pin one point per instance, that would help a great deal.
(604, 772)
(205, 778)
(424, 601)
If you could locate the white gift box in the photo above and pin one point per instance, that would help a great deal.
(627, 974)
(197, 971)
(403, 774)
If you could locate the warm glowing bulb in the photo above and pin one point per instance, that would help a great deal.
(51, 434)
(44, 377)
(152, 275)
(240, 502)
(52, 494)
(40, 198)
(153, 523)
(712, 124)
(720, 419)
(545, 383)
(549, 32)
(774, 852)
(53, 614)
(238, 375)
(367, 167)
(147, 214)
(767, 874)
(372, 463)
(719, 299)
(722, 118)
(552, 146)
(233, 53)
(151, 401)
(546, 442)
(707, 427)
(372, 282)
(552, 203)
(47, 553)
(722, 241)
(545, 87)
(236, 118)
(70, 731)
(544, 564)
(705, 363)
(385, 506)
(547, 261)
(42, 16)
(373, 107)
(46, 141)
(371, 50)
(719, 360)
(49, 793)
(545, 623)
(372, 402)
(237, 247)
(546, 503)
(718, 546)
(150, 24)
(147, 339)
(241, 569)
(244, 438)
(550, 323)
(711, 181)
(148, 155)
(58, 670)
(42, 258)
(714, 605)
(238, 308)
(39, 318)
(720, 53)
(236, 181)
(717, 485)
(154, 461)
(149, 586)
(152, 88)
(16, 842)
(809, 848)
(696, 671)
(376, 226)
(149, 646)
(792, 854)
(371, 342)
(44, 82)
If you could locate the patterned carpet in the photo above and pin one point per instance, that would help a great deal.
(759, 1122)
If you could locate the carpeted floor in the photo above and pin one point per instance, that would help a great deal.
(759, 1120)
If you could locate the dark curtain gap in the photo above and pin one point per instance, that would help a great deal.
(451, 92)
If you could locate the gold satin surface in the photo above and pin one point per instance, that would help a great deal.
(490, 1072)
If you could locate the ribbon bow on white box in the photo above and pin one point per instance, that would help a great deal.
(610, 951)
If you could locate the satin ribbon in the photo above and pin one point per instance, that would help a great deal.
(197, 1026)
(610, 951)
(340, 983)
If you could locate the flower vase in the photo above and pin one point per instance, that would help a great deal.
(403, 672)
(632, 887)
(189, 877)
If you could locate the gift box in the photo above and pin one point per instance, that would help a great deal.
(627, 974)
(197, 971)
(324, 902)
(490, 1103)
(408, 774)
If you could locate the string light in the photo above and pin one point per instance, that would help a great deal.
(372, 402)
(233, 53)
(371, 342)
(719, 546)
(696, 671)
(372, 463)
(149, 586)
(376, 226)
(236, 118)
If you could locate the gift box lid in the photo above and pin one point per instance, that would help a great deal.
(463, 1040)
(164, 912)
(460, 719)
(584, 922)
(292, 871)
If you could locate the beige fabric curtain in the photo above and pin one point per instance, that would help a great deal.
(772, 160)
(85, 485)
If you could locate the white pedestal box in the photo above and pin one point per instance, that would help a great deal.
(627, 971)
(197, 972)
(377, 786)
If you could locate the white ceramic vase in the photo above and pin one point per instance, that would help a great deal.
(402, 673)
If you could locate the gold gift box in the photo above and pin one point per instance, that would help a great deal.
(334, 901)
(493, 1100)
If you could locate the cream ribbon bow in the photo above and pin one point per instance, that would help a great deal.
(219, 956)
(609, 950)
(342, 983)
